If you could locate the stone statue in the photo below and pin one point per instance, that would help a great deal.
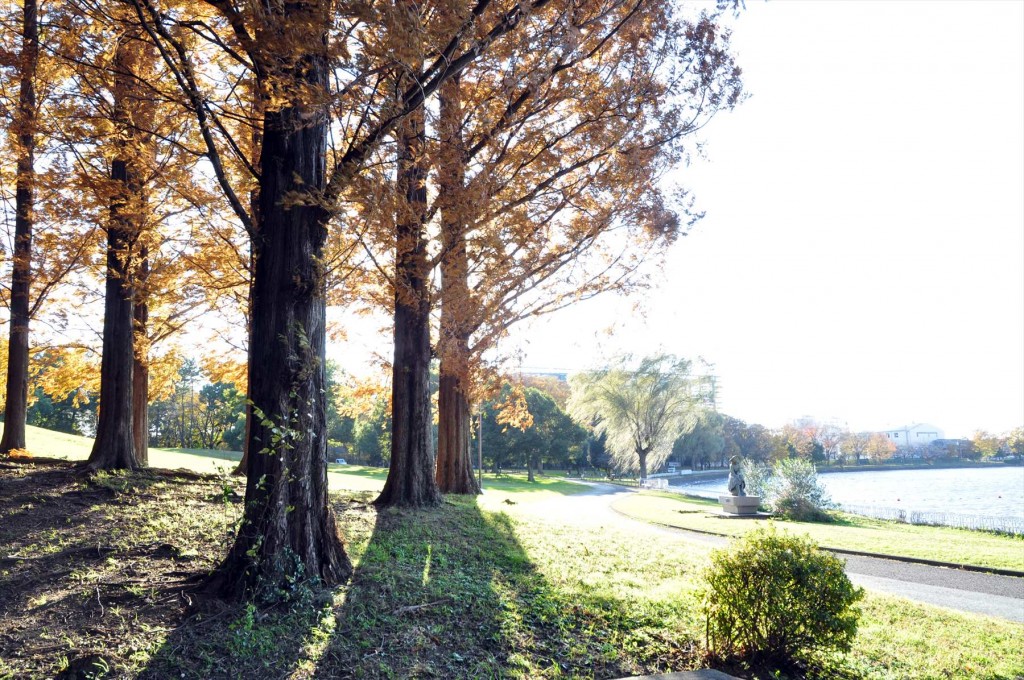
(737, 485)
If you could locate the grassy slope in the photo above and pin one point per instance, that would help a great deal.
(475, 588)
(47, 443)
(851, 532)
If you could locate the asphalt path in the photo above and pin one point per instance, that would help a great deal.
(958, 589)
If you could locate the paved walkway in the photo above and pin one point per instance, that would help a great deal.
(967, 591)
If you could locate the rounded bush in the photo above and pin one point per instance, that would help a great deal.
(791, 489)
(796, 492)
(777, 599)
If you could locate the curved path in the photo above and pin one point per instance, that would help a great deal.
(967, 591)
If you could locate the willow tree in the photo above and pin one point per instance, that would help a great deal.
(566, 146)
(642, 407)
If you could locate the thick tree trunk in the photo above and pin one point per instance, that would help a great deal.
(411, 480)
(642, 455)
(114, 447)
(288, 531)
(16, 402)
(140, 365)
(454, 457)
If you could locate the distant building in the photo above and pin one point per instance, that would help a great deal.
(913, 436)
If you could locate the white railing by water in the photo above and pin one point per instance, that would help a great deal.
(1008, 525)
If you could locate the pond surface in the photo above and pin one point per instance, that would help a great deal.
(994, 492)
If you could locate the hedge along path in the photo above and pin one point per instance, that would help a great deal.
(850, 533)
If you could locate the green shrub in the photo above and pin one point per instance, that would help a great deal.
(796, 494)
(777, 599)
(791, 489)
(758, 477)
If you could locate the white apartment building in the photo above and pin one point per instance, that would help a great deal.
(913, 436)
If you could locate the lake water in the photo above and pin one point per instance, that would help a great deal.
(987, 492)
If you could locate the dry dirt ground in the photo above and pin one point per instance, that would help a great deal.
(89, 571)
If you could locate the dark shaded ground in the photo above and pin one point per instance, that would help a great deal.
(92, 567)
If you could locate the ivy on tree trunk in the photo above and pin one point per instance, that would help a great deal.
(288, 532)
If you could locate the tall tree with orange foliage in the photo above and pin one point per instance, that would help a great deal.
(410, 479)
(47, 246)
(454, 461)
(115, 444)
(566, 145)
(293, 50)
(16, 400)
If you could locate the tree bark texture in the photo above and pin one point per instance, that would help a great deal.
(454, 457)
(411, 480)
(114, 446)
(16, 401)
(140, 365)
(288, 532)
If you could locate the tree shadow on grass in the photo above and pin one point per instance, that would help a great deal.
(452, 593)
(421, 603)
(447, 592)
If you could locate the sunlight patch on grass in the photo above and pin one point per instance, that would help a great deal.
(355, 478)
(508, 489)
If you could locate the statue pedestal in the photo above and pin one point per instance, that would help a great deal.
(740, 505)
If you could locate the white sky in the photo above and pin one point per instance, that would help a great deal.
(862, 257)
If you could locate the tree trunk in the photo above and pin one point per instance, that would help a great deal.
(642, 455)
(140, 365)
(288, 530)
(529, 469)
(114, 447)
(411, 481)
(454, 457)
(16, 402)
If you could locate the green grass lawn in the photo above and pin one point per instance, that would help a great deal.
(49, 444)
(474, 588)
(850, 532)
